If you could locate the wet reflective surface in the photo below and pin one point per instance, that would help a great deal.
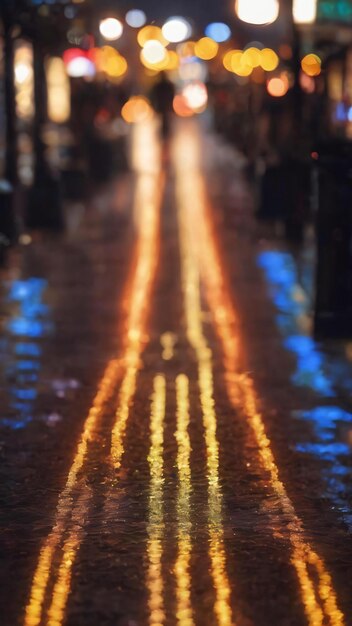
(175, 447)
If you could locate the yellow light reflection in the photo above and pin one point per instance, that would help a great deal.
(155, 582)
(61, 590)
(184, 613)
(315, 582)
(168, 341)
(186, 189)
(42, 573)
(136, 301)
(147, 202)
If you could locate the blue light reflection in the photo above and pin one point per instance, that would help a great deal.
(293, 310)
(323, 373)
(28, 324)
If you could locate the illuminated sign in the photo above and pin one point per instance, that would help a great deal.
(335, 11)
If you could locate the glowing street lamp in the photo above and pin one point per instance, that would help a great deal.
(111, 28)
(258, 12)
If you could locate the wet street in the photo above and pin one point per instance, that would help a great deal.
(175, 448)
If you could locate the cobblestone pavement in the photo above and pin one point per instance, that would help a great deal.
(176, 449)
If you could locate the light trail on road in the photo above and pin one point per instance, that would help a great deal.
(62, 586)
(184, 613)
(156, 527)
(319, 599)
(148, 195)
(186, 198)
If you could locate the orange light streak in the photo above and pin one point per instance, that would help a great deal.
(184, 614)
(137, 306)
(197, 339)
(319, 600)
(155, 583)
(56, 612)
(147, 207)
(42, 573)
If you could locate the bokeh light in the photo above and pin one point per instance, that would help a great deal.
(137, 110)
(251, 57)
(257, 11)
(80, 67)
(136, 18)
(227, 59)
(186, 49)
(304, 11)
(311, 65)
(239, 65)
(170, 62)
(278, 86)
(193, 69)
(116, 67)
(218, 31)
(151, 32)
(196, 96)
(307, 83)
(269, 59)
(111, 28)
(176, 29)
(181, 107)
(206, 48)
(58, 89)
(24, 80)
(153, 52)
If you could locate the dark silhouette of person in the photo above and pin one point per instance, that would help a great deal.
(162, 97)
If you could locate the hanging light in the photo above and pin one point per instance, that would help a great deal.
(258, 12)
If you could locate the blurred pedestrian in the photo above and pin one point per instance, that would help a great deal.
(162, 97)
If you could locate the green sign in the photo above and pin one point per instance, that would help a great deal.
(335, 11)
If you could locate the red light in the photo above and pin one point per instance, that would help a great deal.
(73, 53)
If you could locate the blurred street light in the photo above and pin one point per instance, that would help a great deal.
(111, 28)
(151, 32)
(154, 52)
(304, 11)
(259, 12)
(176, 29)
(206, 49)
(136, 18)
(59, 102)
(80, 67)
(218, 31)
